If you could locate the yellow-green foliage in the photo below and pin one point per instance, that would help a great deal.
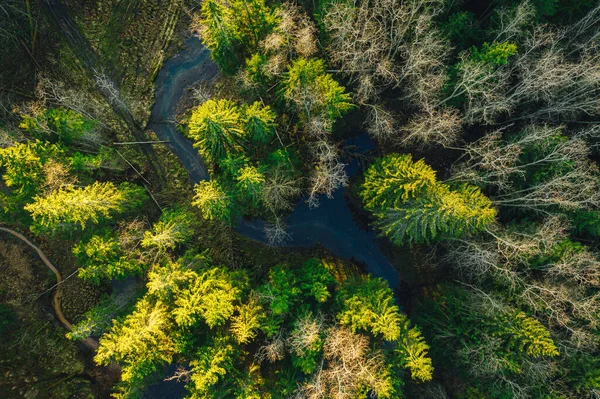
(101, 258)
(413, 351)
(23, 164)
(313, 91)
(217, 128)
(412, 206)
(235, 28)
(71, 207)
(211, 364)
(214, 203)
(173, 228)
(210, 296)
(528, 335)
(141, 342)
(246, 323)
(368, 304)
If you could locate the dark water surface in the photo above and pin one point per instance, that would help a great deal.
(331, 224)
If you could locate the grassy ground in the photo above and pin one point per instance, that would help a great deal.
(37, 360)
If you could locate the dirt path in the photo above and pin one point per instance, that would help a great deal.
(90, 342)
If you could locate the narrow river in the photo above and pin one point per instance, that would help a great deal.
(331, 224)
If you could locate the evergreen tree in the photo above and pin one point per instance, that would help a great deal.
(69, 208)
(214, 203)
(247, 322)
(217, 128)
(413, 207)
(368, 304)
(250, 182)
(141, 343)
(313, 91)
(259, 122)
(210, 295)
(174, 227)
(101, 258)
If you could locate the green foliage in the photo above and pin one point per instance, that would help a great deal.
(60, 124)
(247, 322)
(459, 28)
(413, 207)
(315, 280)
(175, 227)
(69, 208)
(413, 352)
(250, 183)
(209, 366)
(141, 342)
(526, 335)
(23, 165)
(259, 122)
(313, 91)
(217, 128)
(368, 304)
(256, 71)
(545, 8)
(220, 34)
(96, 320)
(234, 29)
(101, 259)
(478, 328)
(210, 295)
(214, 202)
(281, 292)
(496, 54)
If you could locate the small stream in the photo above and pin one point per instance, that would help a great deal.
(331, 224)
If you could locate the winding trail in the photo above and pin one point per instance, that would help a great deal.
(89, 342)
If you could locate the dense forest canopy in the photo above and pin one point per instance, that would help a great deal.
(479, 189)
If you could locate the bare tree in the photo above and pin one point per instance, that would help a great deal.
(348, 367)
(367, 39)
(329, 173)
(432, 126)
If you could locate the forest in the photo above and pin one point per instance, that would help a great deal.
(300, 199)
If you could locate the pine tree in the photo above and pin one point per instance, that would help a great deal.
(314, 92)
(69, 208)
(413, 352)
(141, 342)
(174, 227)
(217, 127)
(368, 304)
(214, 203)
(211, 296)
(259, 122)
(101, 259)
(413, 207)
(246, 323)
(210, 365)
(250, 182)
(220, 35)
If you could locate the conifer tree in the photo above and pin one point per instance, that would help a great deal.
(368, 304)
(314, 92)
(413, 207)
(210, 295)
(259, 122)
(250, 182)
(101, 258)
(69, 208)
(246, 323)
(217, 128)
(173, 228)
(141, 342)
(214, 202)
